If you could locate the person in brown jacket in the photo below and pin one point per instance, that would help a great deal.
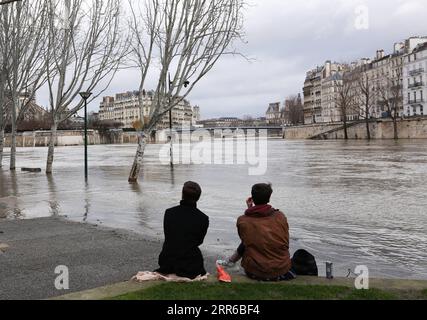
(264, 232)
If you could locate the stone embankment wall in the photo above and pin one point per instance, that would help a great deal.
(381, 129)
(72, 138)
(76, 138)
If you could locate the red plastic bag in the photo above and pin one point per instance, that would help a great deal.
(223, 276)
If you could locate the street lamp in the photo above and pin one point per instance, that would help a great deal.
(86, 96)
(186, 84)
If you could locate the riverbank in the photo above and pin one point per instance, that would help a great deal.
(102, 260)
(67, 138)
(96, 256)
(381, 129)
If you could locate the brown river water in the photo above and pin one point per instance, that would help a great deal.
(352, 203)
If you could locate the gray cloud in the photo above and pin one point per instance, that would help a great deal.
(285, 39)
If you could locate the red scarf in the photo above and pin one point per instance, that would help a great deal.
(264, 210)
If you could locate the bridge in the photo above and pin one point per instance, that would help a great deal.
(272, 131)
(245, 129)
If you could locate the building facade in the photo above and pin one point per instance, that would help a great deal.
(395, 81)
(414, 82)
(274, 114)
(196, 115)
(124, 108)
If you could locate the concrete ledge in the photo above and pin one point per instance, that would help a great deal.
(129, 287)
(108, 291)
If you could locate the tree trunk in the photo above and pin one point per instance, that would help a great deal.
(13, 147)
(1, 147)
(139, 157)
(396, 135)
(51, 150)
(345, 128)
(368, 131)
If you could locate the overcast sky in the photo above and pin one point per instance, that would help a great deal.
(285, 39)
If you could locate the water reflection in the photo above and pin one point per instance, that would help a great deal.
(54, 205)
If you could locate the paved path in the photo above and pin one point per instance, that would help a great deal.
(95, 256)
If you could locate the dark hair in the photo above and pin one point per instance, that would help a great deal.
(191, 192)
(261, 193)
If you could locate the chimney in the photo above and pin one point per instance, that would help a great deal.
(399, 47)
(380, 54)
(327, 69)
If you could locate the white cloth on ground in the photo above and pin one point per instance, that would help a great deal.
(155, 276)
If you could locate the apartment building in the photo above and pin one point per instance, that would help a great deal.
(414, 82)
(124, 108)
(396, 80)
(321, 93)
(274, 114)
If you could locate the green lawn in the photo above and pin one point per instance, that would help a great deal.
(425, 294)
(254, 291)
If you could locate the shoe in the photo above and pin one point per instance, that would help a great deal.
(226, 263)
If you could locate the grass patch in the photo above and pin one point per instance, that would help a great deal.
(253, 291)
(424, 293)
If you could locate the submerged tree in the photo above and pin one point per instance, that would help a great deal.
(391, 97)
(367, 96)
(24, 69)
(87, 45)
(3, 110)
(186, 38)
(346, 99)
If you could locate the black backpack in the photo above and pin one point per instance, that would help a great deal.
(304, 264)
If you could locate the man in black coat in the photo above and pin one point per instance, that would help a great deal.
(185, 228)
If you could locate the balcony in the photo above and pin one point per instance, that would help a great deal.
(416, 72)
(416, 101)
(416, 85)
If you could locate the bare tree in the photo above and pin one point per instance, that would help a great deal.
(143, 24)
(391, 97)
(23, 28)
(7, 2)
(3, 111)
(346, 99)
(190, 37)
(4, 56)
(365, 86)
(294, 112)
(3, 122)
(87, 47)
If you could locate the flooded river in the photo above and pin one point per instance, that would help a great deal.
(352, 203)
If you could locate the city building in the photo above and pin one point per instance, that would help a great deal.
(396, 80)
(124, 108)
(274, 114)
(313, 96)
(414, 82)
(320, 93)
(330, 110)
(33, 112)
(196, 115)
